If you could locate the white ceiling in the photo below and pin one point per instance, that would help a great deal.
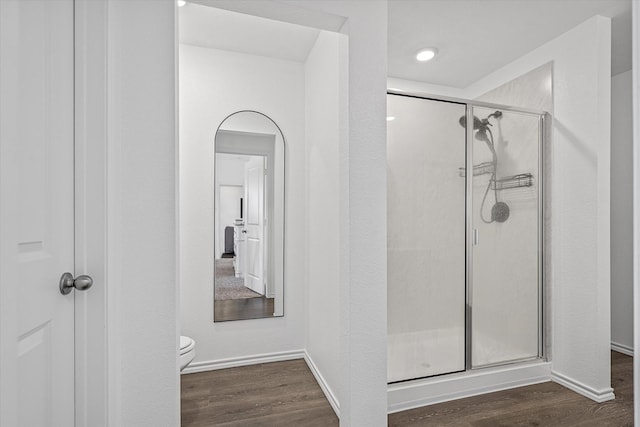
(222, 29)
(476, 37)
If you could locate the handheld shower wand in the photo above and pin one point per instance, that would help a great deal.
(500, 210)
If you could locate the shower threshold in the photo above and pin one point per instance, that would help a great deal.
(488, 379)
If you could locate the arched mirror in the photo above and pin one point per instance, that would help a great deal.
(249, 218)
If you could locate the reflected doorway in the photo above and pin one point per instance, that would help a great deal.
(241, 248)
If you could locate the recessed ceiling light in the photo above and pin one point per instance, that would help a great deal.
(181, 3)
(390, 118)
(426, 54)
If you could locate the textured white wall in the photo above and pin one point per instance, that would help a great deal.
(533, 90)
(363, 291)
(141, 225)
(323, 207)
(622, 212)
(214, 84)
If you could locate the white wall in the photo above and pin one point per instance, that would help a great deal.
(533, 90)
(230, 169)
(622, 213)
(363, 319)
(143, 380)
(363, 291)
(363, 219)
(214, 84)
(323, 207)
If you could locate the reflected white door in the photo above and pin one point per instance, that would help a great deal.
(254, 226)
(36, 212)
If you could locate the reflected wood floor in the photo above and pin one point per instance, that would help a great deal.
(271, 394)
(242, 309)
(286, 394)
(544, 405)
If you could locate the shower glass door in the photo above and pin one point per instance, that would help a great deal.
(426, 237)
(505, 295)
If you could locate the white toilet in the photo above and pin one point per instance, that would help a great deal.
(187, 351)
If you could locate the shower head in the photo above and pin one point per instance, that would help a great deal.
(483, 133)
(480, 124)
(477, 123)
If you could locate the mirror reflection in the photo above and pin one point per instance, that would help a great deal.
(249, 218)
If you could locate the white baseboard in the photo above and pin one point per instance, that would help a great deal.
(234, 362)
(621, 348)
(414, 394)
(583, 389)
(329, 394)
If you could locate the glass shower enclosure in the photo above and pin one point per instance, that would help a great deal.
(465, 236)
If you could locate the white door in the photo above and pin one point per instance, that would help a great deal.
(254, 225)
(36, 212)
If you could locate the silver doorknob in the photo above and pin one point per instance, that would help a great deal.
(81, 283)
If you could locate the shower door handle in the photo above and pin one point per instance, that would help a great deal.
(476, 237)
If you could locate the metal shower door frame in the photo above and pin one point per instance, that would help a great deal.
(544, 120)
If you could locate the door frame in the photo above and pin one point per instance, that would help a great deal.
(251, 148)
(636, 208)
(115, 132)
(92, 319)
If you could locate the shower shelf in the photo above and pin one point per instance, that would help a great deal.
(513, 181)
(480, 169)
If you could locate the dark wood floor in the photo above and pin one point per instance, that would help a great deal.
(242, 309)
(545, 405)
(286, 394)
(271, 394)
